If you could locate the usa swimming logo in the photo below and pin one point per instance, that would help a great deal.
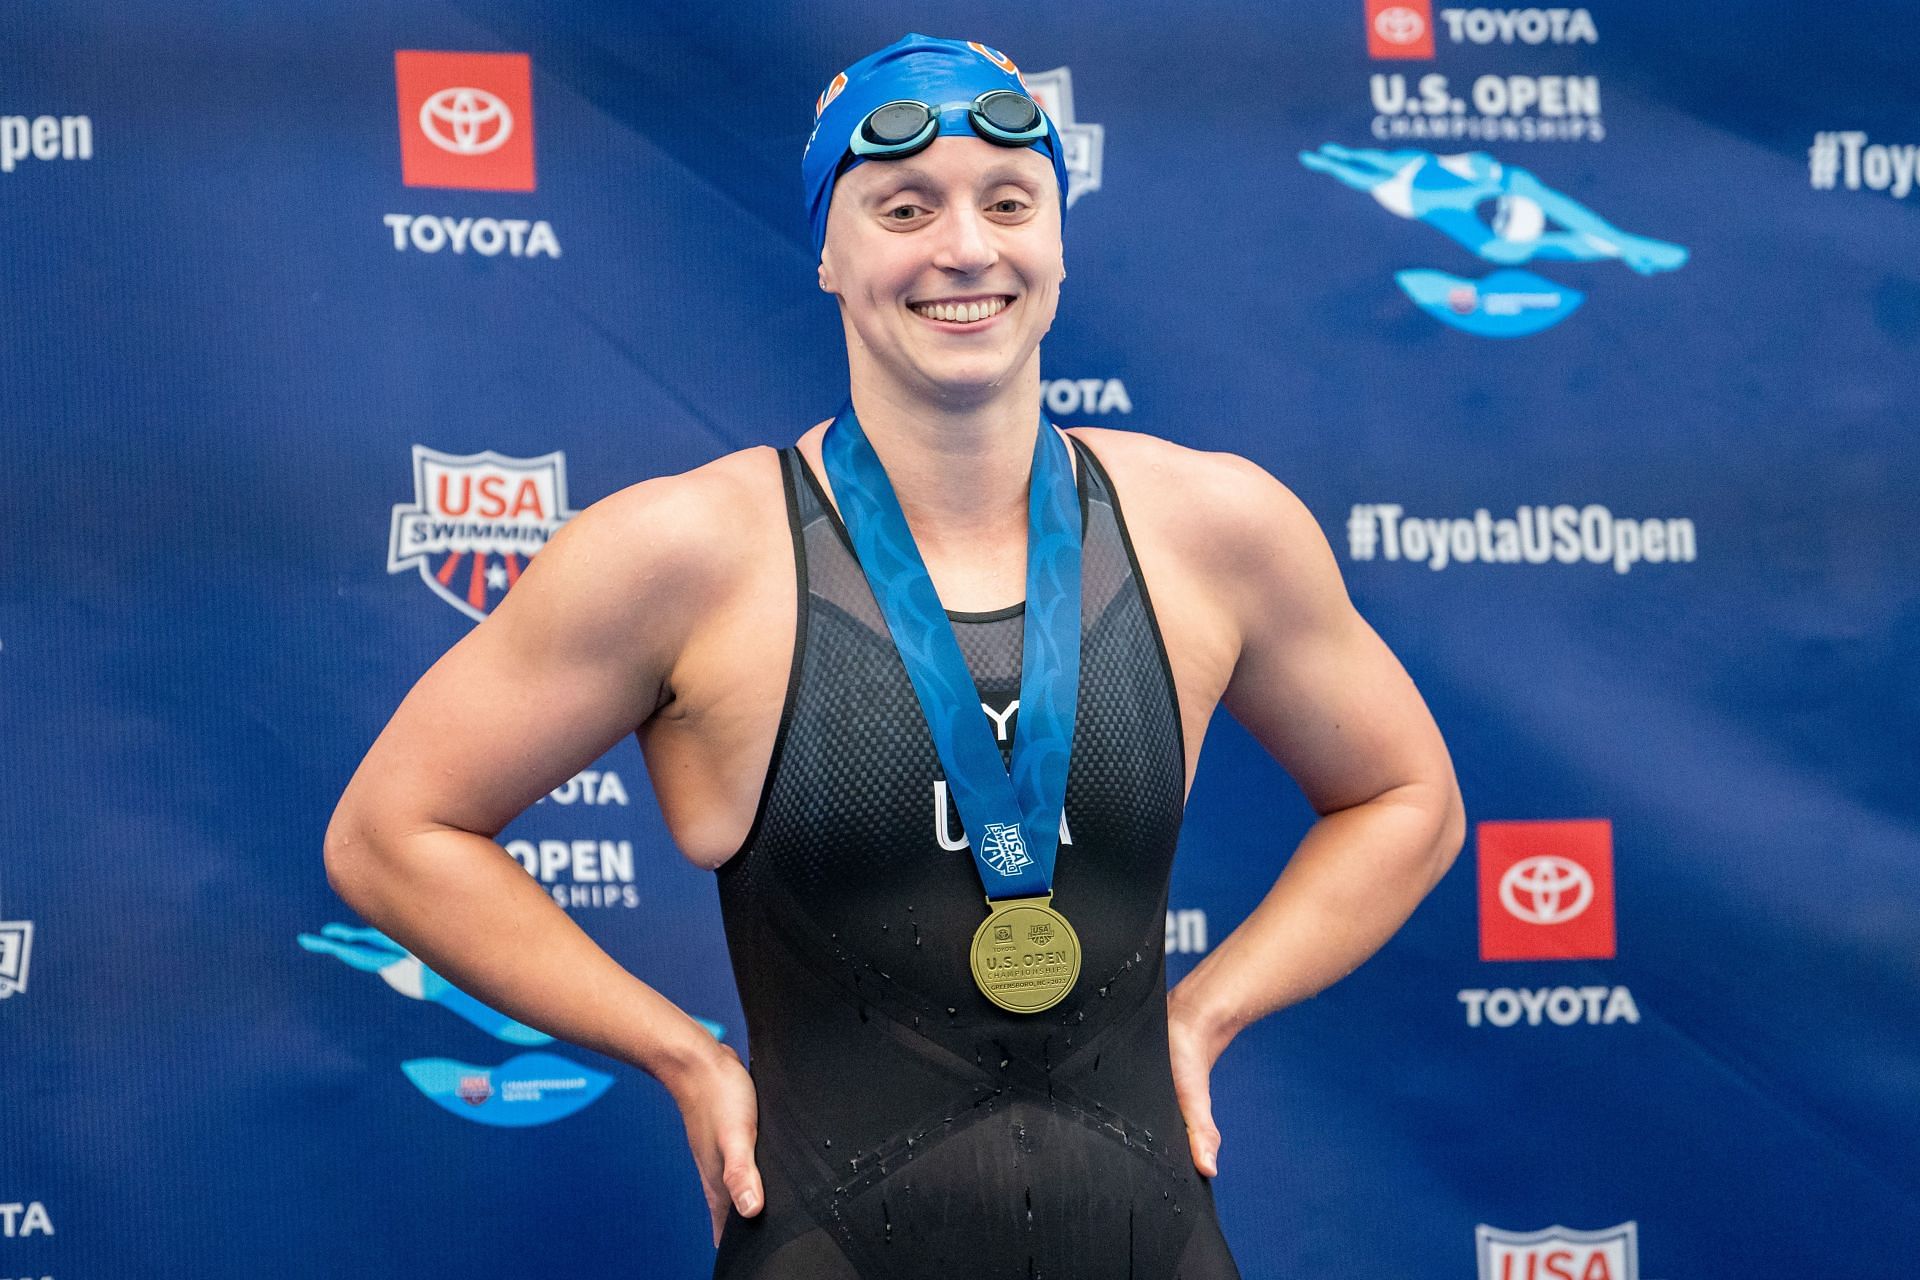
(1081, 142)
(1612, 1253)
(1003, 848)
(16, 948)
(475, 521)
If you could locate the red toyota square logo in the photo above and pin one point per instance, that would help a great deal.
(1546, 890)
(466, 120)
(1400, 28)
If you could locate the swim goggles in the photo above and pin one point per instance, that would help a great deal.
(906, 127)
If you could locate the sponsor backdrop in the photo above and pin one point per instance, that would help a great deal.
(1588, 333)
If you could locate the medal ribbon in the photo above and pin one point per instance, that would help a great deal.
(1012, 822)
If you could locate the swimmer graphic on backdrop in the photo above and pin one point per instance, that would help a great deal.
(372, 951)
(1529, 221)
(529, 1089)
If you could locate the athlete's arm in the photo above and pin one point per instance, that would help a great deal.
(575, 657)
(1329, 701)
(1263, 618)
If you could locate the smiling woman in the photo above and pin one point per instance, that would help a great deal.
(927, 616)
(1016, 1108)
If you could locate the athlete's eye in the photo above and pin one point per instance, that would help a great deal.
(904, 213)
(1008, 205)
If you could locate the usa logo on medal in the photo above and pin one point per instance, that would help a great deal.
(475, 522)
(1004, 850)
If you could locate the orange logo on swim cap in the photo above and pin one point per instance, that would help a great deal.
(996, 57)
(828, 94)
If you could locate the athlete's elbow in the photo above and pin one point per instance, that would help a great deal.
(351, 856)
(1451, 830)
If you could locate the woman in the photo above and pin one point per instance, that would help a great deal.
(965, 1060)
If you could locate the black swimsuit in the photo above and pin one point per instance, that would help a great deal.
(909, 1127)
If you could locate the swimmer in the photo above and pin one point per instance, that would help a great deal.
(947, 928)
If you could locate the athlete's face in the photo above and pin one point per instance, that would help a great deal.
(947, 266)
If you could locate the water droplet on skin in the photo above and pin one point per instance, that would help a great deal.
(951, 1011)
(1029, 1215)
(884, 926)
(1103, 993)
(829, 1144)
(888, 1219)
(1003, 1064)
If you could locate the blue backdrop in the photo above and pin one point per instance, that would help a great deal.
(1588, 334)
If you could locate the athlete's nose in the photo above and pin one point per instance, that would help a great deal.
(966, 242)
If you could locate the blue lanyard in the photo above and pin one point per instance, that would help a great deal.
(1012, 822)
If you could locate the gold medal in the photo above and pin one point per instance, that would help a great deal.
(1025, 955)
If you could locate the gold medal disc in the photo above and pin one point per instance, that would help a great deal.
(1026, 956)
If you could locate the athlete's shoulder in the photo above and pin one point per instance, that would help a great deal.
(698, 515)
(1219, 536)
(1170, 461)
(1218, 505)
(667, 545)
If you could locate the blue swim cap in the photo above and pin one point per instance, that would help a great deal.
(914, 67)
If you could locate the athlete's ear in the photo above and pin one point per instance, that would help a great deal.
(826, 277)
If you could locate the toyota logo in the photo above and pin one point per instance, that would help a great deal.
(467, 122)
(1546, 889)
(1399, 25)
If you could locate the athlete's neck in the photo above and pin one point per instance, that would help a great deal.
(959, 469)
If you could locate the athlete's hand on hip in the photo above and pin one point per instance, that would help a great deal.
(722, 1113)
(1195, 1049)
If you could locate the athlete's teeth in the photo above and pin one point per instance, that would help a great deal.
(961, 312)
